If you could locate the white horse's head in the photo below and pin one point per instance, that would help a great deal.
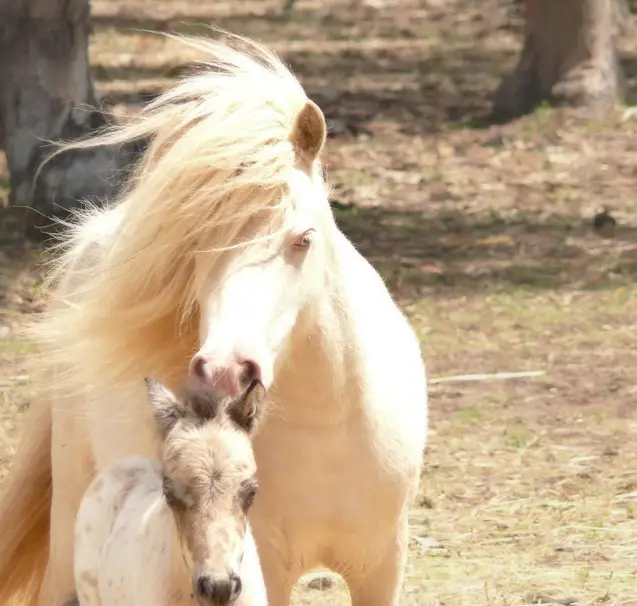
(252, 301)
(219, 250)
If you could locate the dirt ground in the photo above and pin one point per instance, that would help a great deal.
(484, 233)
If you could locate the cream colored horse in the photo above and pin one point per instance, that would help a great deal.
(141, 521)
(222, 258)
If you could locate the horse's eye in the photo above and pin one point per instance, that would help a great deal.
(248, 499)
(304, 240)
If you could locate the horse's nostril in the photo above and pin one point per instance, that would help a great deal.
(198, 367)
(250, 372)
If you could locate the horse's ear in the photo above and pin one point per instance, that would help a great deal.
(246, 411)
(309, 132)
(167, 409)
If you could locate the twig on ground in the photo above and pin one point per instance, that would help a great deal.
(488, 376)
(9, 382)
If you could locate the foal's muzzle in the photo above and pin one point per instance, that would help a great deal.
(223, 591)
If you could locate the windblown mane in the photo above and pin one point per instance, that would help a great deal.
(219, 151)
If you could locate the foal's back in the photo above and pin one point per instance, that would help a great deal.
(124, 540)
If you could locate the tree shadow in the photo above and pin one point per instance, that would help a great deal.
(424, 253)
(420, 252)
(359, 68)
(629, 66)
(19, 283)
(416, 100)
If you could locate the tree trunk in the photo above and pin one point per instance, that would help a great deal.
(569, 58)
(46, 93)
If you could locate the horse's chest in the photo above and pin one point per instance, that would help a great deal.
(325, 478)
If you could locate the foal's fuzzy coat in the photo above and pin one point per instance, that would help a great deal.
(141, 521)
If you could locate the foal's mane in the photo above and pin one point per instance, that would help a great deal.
(219, 152)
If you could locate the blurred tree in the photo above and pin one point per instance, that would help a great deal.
(46, 93)
(569, 57)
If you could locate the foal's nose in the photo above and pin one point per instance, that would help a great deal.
(218, 591)
(229, 379)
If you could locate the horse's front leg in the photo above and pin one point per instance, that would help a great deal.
(276, 569)
(379, 583)
(72, 471)
(278, 583)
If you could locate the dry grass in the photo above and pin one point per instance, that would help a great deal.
(529, 492)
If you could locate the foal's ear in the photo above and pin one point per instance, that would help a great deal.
(167, 409)
(246, 411)
(309, 132)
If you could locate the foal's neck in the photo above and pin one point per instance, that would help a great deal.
(180, 577)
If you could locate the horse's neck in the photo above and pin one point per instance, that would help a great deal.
(325, 376)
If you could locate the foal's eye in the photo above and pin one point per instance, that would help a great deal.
(169, 495)
(304, 240)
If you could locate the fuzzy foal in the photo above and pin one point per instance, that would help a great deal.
(145, 527)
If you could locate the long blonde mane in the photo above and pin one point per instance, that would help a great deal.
(124, 294)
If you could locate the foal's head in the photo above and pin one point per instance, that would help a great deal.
(209, 481)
